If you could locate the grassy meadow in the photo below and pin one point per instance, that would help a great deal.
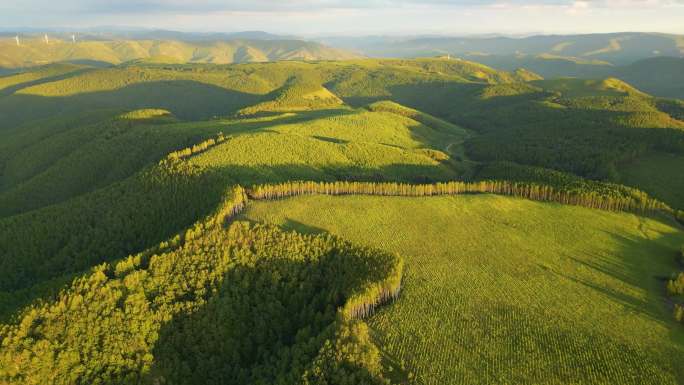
(335, 144)
(502, 290)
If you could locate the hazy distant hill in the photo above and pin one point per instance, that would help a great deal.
(118, 33)
(663, 76)
(659, 76)
(617, 48)
(35, 51)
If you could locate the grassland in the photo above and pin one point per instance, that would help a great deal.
(335, 144)
(501, 290)
(661, 175)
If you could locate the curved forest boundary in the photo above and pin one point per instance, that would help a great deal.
(615, 198)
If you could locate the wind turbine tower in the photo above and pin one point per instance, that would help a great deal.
(73, 38)
(47, 39)
(17, 39)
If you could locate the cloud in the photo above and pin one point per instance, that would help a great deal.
(353, 16)
(204, 6)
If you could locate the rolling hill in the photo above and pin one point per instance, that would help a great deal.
(148, 234)
(653, 63)
(659, 76)
(33, 51)
(616, 48)
(521, 291)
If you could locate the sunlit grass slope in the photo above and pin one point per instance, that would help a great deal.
(325, 144)
(503, 290)
(661, 175)
(41, 74)
(93, 156)
(334, 144)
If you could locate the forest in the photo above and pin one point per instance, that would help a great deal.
(298, 222)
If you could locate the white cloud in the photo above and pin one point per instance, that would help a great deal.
(391, 16)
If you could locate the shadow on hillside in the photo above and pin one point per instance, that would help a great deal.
(646, 264)
(12, 89)
(118, 151)
(404, 173)
(435, 98)
(330, 140)
(293, 225)
(527, 129)
(267, 324)
(186, 99)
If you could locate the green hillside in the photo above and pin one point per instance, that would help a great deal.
(659, 76)
(499, 289)
(123, 259)
(34, 51)
(168, 196)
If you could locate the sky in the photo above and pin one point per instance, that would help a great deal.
(352, 17)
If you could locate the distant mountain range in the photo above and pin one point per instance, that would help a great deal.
(652, 62)
(660, 76)
(616, 48)
(161, 46)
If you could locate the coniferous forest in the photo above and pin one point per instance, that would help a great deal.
(249, 208)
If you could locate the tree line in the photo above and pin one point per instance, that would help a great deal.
(197, 148)
(675, 288)
(635, 201)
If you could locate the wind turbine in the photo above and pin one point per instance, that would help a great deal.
(17, 39)
(73, 38)
(47, 40)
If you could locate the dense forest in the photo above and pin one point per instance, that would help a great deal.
(243, 304)
(123, 259)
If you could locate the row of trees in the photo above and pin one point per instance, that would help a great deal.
(636, 201)
(675, 287)
(197, 148)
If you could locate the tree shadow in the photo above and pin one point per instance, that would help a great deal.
(12, 89)
(292, 225)
(186, 99)
(267, 324)
(116, 151)
(330, 140)
(645, 264)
